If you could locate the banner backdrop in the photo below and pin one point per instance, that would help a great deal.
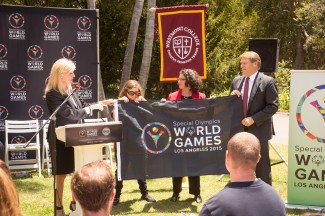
(31, 40)
(182, 40)
(176, 138)
(306, 177)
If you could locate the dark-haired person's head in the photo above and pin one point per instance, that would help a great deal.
(93, 186)
(189, 78)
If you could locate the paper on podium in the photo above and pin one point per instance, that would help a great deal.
(89, 133)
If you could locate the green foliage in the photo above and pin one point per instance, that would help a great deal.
(283, 83)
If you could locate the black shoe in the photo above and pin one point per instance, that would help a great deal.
(116, 201)
(148, 198)
(198, 198)
(174, 198)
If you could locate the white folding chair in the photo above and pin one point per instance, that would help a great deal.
(108, 146)
(16, 128)
(46, 158)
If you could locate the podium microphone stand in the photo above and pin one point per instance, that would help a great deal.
(52, 140)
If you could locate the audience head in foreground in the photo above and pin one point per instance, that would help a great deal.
(93, 186)
(245, 194)
(9, 200)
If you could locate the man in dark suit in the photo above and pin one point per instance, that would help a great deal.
(260, 103)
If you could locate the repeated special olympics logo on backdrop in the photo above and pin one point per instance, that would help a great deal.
(156, 137)
(51, 22)
(34, 52)
(18, 82)
(16, 20)
(85, 82)
(3, 51)
(182, 45)
(312, 100)
(35, 112)
(84, 23)
(18, 139)
(3, 113)
(68, 52)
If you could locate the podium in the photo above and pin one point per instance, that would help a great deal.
(88, 141)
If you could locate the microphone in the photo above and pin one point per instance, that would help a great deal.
(75, 85)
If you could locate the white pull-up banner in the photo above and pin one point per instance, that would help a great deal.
(306, 178)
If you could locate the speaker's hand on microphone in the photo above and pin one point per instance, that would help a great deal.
(97, 106)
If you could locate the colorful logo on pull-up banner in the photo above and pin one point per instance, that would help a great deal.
(16, 20)
(18, 82)
(3, 51)
(3, 113)
(18, 139)
(35, 112)
(68, 52)
(51, 22)
(85, 82)
(84, 23)
(34, 52)
(314, 100)
(156, 137)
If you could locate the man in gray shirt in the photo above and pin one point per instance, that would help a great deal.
(245, 194)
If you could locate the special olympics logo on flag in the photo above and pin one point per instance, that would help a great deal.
(156, 137)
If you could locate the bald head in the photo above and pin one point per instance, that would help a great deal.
(244, 149)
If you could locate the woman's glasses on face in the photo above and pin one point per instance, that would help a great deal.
(181, 79)
(132, 93)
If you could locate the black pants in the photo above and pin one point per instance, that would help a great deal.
(263, 168)
(194, 185)
(119, 185)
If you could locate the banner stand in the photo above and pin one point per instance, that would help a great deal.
(316, 208)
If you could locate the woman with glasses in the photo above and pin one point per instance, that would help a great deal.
(132, 91)
(189, 85)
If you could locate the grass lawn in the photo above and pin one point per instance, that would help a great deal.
(36, 194)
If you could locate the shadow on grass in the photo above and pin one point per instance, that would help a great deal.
(161, 206)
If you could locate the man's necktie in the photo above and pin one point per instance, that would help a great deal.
(245, 96)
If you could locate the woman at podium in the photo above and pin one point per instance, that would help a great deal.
(58, 88)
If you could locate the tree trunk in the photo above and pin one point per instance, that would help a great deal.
(299, 58)
(129, 52)
(147, 48)
(91, 4)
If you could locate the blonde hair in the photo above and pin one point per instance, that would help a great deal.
(253, 57)
(61, 66)
(9, 200)
(130, 84)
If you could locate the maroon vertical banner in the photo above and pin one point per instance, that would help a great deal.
(182, 40)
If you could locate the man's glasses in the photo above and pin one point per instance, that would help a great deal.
(181, 79)
(132, 93)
